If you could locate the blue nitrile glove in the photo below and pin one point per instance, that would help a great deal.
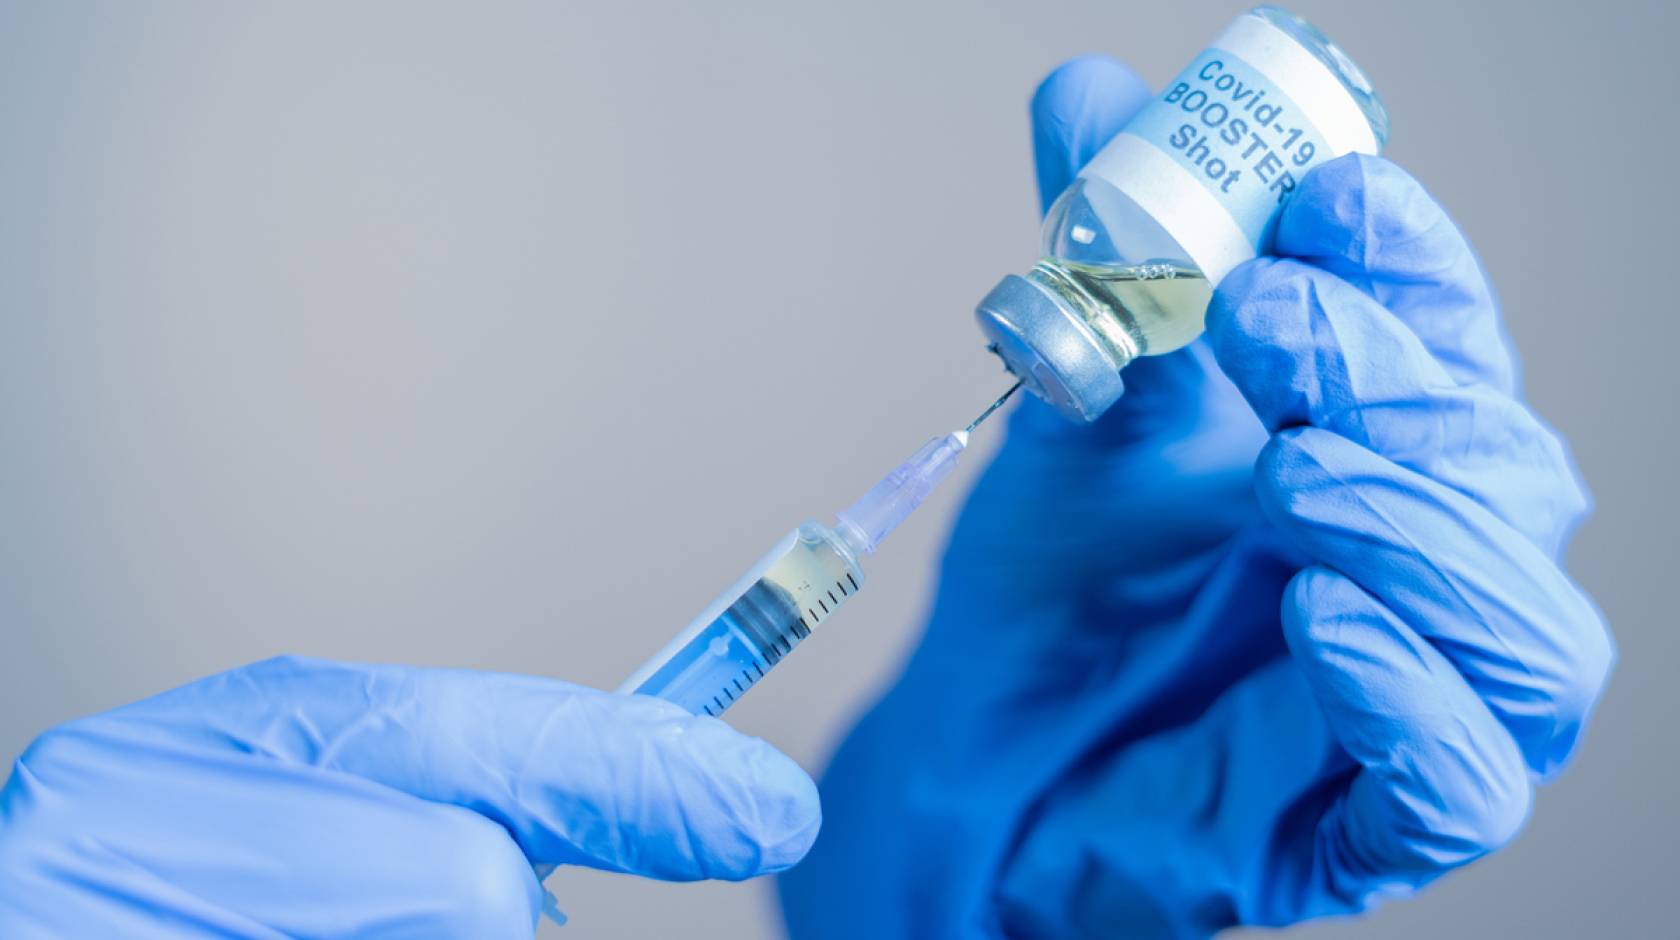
(1283, 634)
(299, 798)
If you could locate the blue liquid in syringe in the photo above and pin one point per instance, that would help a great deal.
(730, 646)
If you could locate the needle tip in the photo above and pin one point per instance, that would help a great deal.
(992, 407)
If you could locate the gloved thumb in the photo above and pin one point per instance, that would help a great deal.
(1077, 109)
(576, 776)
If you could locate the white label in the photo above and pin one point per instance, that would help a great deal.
(1216, 155)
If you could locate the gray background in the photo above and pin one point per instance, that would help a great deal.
(503, 339)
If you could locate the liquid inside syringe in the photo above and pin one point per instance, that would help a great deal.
(759, 620)
(796, 586)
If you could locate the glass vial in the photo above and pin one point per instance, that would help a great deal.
(1188, 190)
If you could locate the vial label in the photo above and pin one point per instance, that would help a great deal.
(1215, 156)
(1238, 134)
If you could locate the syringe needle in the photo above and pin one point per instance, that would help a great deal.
(866, 522)
(735, 641)
(991, 408)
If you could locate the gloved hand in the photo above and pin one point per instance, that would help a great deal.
(299, 798)
(1283, 634)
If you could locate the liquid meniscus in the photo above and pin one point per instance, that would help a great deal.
(1137, 309)
(776, 605)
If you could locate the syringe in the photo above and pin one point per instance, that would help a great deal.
(798, 585)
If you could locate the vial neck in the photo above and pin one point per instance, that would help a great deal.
(1113, 325)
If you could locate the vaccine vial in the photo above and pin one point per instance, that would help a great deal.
(1188, 190)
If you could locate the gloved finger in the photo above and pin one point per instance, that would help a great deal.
(1369, 222)
(576, 776)
(168, 839)
(1076, 110)
(1442, 782)
(1527, 639)
(1306, 347)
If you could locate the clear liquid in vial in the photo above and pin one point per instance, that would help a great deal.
(1138, 309)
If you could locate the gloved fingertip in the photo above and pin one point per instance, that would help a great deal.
(754, 810)
(1066, 93)
(787, 813)
(1314, 602)
(1371, 216)
(1229, 307)
(1258, 326)
(1075, 111)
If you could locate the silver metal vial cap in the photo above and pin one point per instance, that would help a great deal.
(1049, 348)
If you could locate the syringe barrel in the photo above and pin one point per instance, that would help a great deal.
(754, 624)
(780, 600)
